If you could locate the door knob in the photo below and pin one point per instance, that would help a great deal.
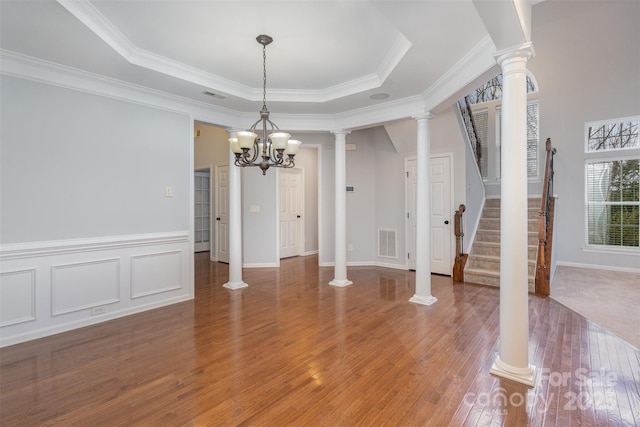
(297, 216)
(446, 222)
(218, 219)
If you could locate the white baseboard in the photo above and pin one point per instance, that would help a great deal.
(394, 266)
(260, 265)
(366, 264)
(55, 286)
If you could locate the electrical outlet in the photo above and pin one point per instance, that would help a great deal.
(98, 310)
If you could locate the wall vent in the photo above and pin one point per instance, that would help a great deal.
(213, 94)
(387, 243)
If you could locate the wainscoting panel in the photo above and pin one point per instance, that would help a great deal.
(52, 287)
(155, 273)
(17, 297)
(83, 285)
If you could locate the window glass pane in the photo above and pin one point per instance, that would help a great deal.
(613, 203)
(492, 90)
(481, 120)
(630, 178)
(532, 139)
(613, 136)
(498, 141)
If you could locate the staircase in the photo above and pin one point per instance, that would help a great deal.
(483, 265)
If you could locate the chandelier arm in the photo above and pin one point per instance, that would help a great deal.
(273, 125)
(253, 126)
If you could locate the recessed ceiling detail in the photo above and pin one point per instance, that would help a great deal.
(360, 65)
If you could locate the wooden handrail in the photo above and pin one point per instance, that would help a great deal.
(545, 225)
(461, 257)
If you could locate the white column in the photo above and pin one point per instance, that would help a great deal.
(235, 225)
(513, 359)
(340, 267)
(423, 214)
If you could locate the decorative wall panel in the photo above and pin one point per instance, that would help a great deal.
(83, 285)
(17, 297)
(154, 273)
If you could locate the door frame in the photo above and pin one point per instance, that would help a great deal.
(216, 213)
(301, 225)
(451, 157)
(205, 169)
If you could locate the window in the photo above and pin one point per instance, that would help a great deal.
(612, 183)
(486, 102)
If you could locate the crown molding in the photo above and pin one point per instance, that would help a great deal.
(381, 113)
(90, 16)
(38, 70)
(476, 62)
(29, 68)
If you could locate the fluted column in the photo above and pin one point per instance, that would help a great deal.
(513, 359)
(235, 225)
(423, 214)
(340, 266)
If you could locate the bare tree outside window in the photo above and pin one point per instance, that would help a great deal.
(488, 117)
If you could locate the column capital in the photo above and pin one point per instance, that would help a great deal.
(341, 132)
(427, 115)
(521, 52)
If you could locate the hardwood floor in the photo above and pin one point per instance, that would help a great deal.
(291, 350)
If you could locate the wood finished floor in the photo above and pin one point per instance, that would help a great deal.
(291, 350)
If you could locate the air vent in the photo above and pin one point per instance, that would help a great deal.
(387, 243)
(213, 94)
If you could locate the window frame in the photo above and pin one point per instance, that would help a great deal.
(600, 156)
(494, 119)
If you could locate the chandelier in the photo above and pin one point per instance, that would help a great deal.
(276, 149)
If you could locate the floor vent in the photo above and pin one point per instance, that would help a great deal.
(387, 243)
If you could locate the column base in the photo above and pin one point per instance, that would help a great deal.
(524, 376)
(341, 283)
(235, 285)
(423, 300)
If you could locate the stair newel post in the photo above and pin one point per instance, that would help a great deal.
(545, 226)
(461, 257)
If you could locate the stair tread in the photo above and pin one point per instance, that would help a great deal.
(485, 272)
(491, 257)
(489, 230)
(495, 244)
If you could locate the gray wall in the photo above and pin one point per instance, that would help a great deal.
(361, 202)
(389, 196)
(587, 66)
(76, 165)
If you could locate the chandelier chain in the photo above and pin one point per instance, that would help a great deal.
(264, 77)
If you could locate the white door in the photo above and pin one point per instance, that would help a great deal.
(201, 210)
(222, 213)
(441, 214)
(290, 212)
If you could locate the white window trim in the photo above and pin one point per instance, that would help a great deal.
(608, 155)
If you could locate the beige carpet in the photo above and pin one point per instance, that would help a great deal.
(609, 298)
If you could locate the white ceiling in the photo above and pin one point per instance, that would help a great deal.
(327, 56)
